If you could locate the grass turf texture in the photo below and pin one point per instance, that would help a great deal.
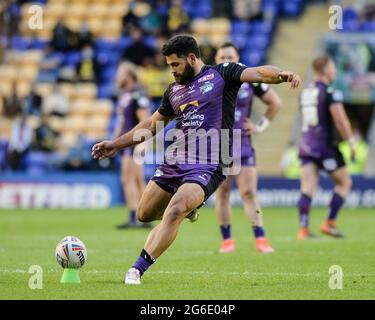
(191, 268)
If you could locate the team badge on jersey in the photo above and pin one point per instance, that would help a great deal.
(207, 87)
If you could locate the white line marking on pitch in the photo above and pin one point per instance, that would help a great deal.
(236, 273)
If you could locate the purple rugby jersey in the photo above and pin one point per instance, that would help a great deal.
(208, 103)
(317, 124)
(243, 110)
(127, 106)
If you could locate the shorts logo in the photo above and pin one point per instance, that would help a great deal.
(203, 177)
(158, 173)
(207, 87)
(207, 77)
(191, 103)
(330, 164)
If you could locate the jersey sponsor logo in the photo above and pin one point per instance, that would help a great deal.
(207, 87)
(207, 77)
(194, 103)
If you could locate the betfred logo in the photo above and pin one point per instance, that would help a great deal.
(54, 195)
(207, 77)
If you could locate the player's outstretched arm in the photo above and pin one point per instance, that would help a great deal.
(270, 74)
(109, 148)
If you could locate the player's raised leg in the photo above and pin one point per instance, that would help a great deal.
(187, 197)
(309, 183)
(247, 185)
(224, 215)
(343, 184)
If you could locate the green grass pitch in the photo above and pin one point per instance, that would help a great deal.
(191, 268)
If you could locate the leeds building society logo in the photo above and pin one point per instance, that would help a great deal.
(207, 87)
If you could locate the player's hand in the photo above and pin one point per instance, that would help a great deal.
(104, 149)
(292, 77)
(249, 127)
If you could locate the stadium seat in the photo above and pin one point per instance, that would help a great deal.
(36, 162)
(240, 27)
(20, 43)
(72, 58)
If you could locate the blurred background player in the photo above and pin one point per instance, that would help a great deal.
(133, 107)
(322, 112)
(247, 178)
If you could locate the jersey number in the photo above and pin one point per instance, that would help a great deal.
(309, 104)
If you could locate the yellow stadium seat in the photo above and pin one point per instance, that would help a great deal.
(68, 140)
(200, 26)
(73, 22)
(33, 121)
(103, 107)
(219, 25)
(5, 89)
(56, 123)
(5, 128)
(67, 89)
(44, 89)
(23, 88)
(81, 107)
(27, 73)
(98, 10)
(75, 124)
(8, 72)
(86, 90)
(118, 10)
(31, 57)
(56, 9)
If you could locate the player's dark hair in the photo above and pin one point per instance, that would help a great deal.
(320, 63)
(229, 45)
(181, 45)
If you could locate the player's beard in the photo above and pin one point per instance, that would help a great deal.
(186, 76)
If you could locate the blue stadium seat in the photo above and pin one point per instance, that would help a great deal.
(252, 57)
(271, 7)
(258, 41)
(124, 42)
(37, 43)
(240, 27)
(350, 13)
(261, 27)
(150, 41)
(106, 90)
(241, 40)
(292, 8)
(3, 154)
(36, 162)
(72, 58)
(106, 45)
(20, 43)
(367, 26)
